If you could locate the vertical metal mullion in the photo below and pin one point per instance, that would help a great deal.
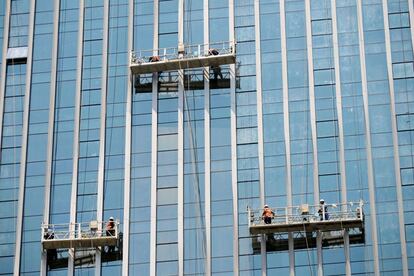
(338, 95)
(128, 140)
(25, 133)
(411, 12)
(397, 166)
(260, 143)
(4, 65)
(180, 152)
(180, 176)
(312, 109)
(102, 130)
(370, 170)
(286, 127)
(73, 202)
(207, 144)
(154, 154)
(51, 125)
(233, 130)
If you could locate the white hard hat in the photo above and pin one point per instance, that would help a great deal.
(266, 206)
(111, 218)
(321, 200)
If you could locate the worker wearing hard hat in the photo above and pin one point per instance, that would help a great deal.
(323, 210)
(267, 214)
(110, 232)
(110, 227)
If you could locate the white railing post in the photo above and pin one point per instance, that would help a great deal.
(165, 54)
(248, 216)
(286, 215)
(199, 50)
(323, 211)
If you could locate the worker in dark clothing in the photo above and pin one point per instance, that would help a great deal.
(110, 232)
(323, 210)
(154, 59)
(216, 69)
(217, 72)
(213, 52)
(110, 227)
(51, 253)
(267, 214)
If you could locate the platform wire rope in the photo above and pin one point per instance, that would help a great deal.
(193, 148)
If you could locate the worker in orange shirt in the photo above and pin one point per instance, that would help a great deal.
(267, 214)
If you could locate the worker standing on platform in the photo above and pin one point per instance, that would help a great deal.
(110, 232)
(323, 210)
(267, 214)
(110, 227)
(216, 69)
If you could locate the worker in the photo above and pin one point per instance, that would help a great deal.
(267, 214)
(323, 210)
(110, 231)
(154, 59)
(110, 227)
(51, 253)
(217, 72)
(213, 52)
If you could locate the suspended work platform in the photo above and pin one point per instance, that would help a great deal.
(79, 235)
(308, 218)
(193, 80)
(183, 57)
(57, 259)
(304, 240)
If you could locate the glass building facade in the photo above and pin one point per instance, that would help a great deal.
(318, 105)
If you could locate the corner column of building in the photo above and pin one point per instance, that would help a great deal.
(128, 141)
(312, 108)
(233, 131)
(260, 143)
(49, 154)
(207, 143)
(73, 201)
(25, 130)
(4, 65)
(371, 186)
(397, 166)
(154, 156)
(286, 128)
(102, 130)
(340, 130)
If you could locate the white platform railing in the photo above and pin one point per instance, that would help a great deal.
(294, 215)
(186, 52)
(78, 231)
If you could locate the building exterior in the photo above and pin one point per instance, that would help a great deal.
(318, 105)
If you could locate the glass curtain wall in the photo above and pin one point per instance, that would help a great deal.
(221, 197)
(273, 121)
(167, 152)
(194, 186)
(403, 74)
(140, 217)
(140, 198)
(247, 147)
(63, 129)
(11, 139)
(10, 161)
(90, 107)
(37, 138)
(381, 136)
(116, 97)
